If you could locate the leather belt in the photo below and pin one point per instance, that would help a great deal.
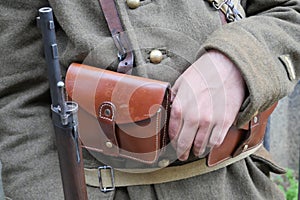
(120, 38)
(107, 178)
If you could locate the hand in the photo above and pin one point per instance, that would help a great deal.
(206, 100)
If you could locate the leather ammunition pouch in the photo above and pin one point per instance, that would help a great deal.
(127, 116)
(120, 115)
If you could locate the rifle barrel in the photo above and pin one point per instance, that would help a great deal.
(64, 115)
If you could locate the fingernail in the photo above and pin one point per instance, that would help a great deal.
(183, 157)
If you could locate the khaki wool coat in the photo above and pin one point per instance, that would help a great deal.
(265, 47)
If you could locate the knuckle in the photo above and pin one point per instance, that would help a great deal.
(198, 144)
(205, 121)
(199, 141)
(191, 121)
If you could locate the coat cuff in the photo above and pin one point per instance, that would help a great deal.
(264, 75)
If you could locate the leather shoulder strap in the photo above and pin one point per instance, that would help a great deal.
(120, 38)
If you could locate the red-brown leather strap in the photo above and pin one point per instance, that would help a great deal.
(257, 129)
(238, 141)
(111, 16)
(106, 120)
(121, 40)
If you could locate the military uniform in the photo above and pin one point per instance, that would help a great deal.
(264, 46)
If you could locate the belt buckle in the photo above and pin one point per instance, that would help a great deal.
(112, 179)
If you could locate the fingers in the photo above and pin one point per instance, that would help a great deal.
(219, 133)
(175, 122)
(185, 139)
(206, 99)
(198, 136)
(185, 118)
(190, 130)
(202, 138)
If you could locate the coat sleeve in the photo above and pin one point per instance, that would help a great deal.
(265, 46)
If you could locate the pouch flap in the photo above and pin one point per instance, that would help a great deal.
(134, 98)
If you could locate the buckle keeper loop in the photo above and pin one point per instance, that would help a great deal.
(112, 179)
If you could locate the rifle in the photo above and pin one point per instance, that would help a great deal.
(64, 115)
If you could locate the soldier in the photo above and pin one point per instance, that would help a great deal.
(255, 63)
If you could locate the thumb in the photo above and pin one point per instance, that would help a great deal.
(175, 88)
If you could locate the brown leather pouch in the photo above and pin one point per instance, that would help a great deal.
(126, 116)
(120, 115)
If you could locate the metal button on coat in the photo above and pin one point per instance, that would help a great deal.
(156, 56)
(133, 3)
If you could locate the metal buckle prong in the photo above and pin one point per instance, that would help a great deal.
(112, 179)
(232, 14)
(218, 6)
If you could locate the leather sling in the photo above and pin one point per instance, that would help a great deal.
(120, 38)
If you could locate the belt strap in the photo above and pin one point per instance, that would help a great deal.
(131, 177)
(120, 38)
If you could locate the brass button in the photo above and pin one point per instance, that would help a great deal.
(156, 56)
(133, 4)
(109, 145)
(163, 163)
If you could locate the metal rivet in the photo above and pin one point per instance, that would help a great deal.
(156, 56)
(163, 163)
(255, 119)
(245, 147)
(107, 112)
(109, 145)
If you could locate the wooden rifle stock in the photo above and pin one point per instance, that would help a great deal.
(70, 156)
